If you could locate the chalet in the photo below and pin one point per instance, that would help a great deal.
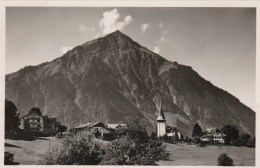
(96, 128)
(213, 135)
(34, 121)
(173, 131)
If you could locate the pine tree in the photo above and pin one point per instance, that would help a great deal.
(197, 131)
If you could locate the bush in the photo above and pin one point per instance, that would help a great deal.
(224, 160)
(196, 140)
(251, 142)
(242, 141)
(135, 147)
(243, 138)
(80, 149)
(9, 158)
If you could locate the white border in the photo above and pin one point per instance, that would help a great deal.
(130, 3)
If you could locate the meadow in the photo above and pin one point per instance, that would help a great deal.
(28, 153)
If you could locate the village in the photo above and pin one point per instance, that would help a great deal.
(38, 126)
(37, 123)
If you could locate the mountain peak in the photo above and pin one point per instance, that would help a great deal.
(117, 33)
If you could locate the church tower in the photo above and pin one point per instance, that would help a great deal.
(161, 123)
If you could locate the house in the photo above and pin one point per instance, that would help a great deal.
(172, 132)
(213, 135)
(35, 122)
(96, 128)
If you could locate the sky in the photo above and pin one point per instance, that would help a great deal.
(218, 43)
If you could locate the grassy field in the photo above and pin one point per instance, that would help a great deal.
(28, 152)
(188, 155)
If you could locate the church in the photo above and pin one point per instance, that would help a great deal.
(161, 123)
(163, 129)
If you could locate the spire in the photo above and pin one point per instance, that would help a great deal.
(161, 115)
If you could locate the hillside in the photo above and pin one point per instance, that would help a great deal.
(113, 78)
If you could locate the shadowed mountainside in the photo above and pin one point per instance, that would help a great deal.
(113, 78)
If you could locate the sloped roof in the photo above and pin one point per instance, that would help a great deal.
(161, 115)
(211, 131)
(89, 125)
(83, 125)
(114, 126)
(170, 129)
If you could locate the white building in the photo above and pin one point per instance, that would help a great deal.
(213, 135)
(161, 123)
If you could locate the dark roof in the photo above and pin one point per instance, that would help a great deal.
(52, 119)
(114, 126)
(161, 115)
(170, 129)
(211, 131)
(90, 125)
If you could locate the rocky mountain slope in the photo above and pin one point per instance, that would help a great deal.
(113, 78)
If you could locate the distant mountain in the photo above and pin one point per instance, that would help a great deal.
(113, 78)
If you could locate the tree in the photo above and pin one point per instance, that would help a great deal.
(225, 160)
(232, 133)
(153, 135)
(251, 142)
(135, 147)
(12, 121)
(243, 138)
(62, 128)
(197, 131)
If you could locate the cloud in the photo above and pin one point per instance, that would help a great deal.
(160, 25)
(156, 50)
(109, 23)
(83, 28)
(162, 38)
(145, 27)
(65, 49)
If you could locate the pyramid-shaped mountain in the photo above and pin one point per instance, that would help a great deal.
(113, 78)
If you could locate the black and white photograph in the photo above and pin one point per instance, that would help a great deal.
(130, 85)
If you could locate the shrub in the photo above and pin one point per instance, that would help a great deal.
(224, 160)
(242, 141)
(251, 142)
(135, 147)
(243, 138)
(81, 149)
(196, 140)
(9, 158)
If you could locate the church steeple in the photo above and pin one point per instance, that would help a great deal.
(161, 122)
(161, 115)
